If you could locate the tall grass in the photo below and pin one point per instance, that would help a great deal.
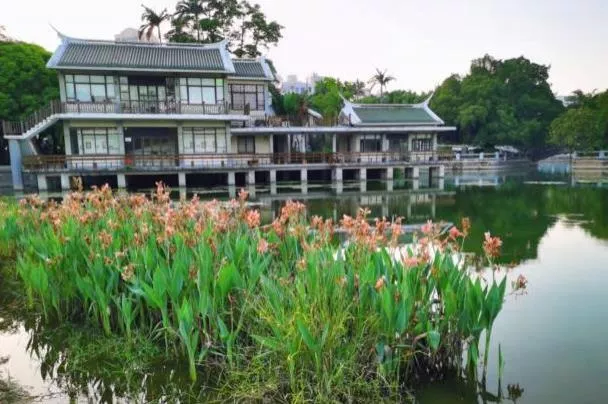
(282, 308)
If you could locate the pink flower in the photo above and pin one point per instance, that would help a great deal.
(252, 218)
(455, 233)
(262, 246)
(491, 245)
(427, 228)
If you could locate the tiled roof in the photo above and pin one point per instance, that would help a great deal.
(388, 114)
(131, 55)
(248, 68)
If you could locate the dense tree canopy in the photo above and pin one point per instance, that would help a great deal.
(592, 131)
(500, 101)
(243, 25)
(25, 82)
(576, 129)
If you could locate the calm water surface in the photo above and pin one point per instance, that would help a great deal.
(552, 338)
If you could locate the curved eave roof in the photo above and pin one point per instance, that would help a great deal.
(74, 54)
(251, 69)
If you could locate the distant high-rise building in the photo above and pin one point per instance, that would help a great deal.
(293, 85)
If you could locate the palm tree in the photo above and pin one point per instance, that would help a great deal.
(151, 21)
(359, 88)
(190, 10)
(380, 78)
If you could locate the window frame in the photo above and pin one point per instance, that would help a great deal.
(249, 146)
(94, 135)
(198, 85)
(244, 90)
(89, 81)
(189, 133)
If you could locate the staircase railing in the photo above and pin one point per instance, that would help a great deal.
(20, 127)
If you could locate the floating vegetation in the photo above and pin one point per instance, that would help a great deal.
(277, 311)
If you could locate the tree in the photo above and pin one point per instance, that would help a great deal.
(576, 129)
(152, 21)
(187, 11)
(327, 98)
(499, 101)
(3, 35)
(244, 26)
(25, 82)
(381, 78)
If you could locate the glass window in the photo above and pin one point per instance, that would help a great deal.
(252, 94)
(209, 95)
(83, 92)
(97, 141)
(194, 95)
(89, 88)
(194, 90)
(245, 144)
(204, 140)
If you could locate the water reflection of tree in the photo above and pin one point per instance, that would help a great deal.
(519, 213)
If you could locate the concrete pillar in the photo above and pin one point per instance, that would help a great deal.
(416, 184)
(181, 180)
(66, 139)
(363, 186)
(65, 182)
(120, 128)
(232, 191)
(385, 145)
(390, 184)
(334, 143)
(42, 182)
(363, 174)
(121, 180)
(231, 178)
(273, 188)
(481, 156)
(304, 175)
(339, 187)
(183, 194)
(271, 144)
(385, 206)
(337, 174)
(304, 187)
(389, 174)
(14, 150)
(273, 176)
(441, 185)
(251, 177)
(251, 190)
(415, 172)
(441, 171)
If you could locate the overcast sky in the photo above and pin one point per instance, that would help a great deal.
(418, 42)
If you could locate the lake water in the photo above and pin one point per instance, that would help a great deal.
(552, 338)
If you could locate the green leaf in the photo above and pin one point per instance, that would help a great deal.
(434, 338)
(306, 336)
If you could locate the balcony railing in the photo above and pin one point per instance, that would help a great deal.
(228, 161)
(112, 107)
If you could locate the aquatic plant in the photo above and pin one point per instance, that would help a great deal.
(279, 306)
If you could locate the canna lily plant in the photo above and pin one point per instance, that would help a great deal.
(212, 284)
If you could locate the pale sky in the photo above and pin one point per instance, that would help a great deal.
(418, 42)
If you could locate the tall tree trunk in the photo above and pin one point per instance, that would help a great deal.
(160, 39)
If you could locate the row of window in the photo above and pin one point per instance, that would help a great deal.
(192, 90)
(95, 141)
(204, 140)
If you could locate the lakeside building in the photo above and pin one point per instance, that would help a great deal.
(186, 111)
